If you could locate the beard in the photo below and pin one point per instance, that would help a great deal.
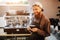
(37, 15)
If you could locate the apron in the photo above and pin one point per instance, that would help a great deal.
(34, 35)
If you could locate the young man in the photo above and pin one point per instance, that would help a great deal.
(41, 22)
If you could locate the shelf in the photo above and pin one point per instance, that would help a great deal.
(59, 0)
(58, 7)
(58, 14)
(17, 16)
(14, 5)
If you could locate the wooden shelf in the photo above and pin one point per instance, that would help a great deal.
(14, 5)
(58, 14)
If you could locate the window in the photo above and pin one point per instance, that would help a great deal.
(14, 2)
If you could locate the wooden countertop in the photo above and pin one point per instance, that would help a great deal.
(15, 34)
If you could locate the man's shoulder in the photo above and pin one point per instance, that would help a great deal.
(46, 18)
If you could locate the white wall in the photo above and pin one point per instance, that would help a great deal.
(50, 8)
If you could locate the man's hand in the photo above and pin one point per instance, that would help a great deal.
(34, 29)
(28, 28)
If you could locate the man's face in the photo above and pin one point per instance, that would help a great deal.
(36, 10)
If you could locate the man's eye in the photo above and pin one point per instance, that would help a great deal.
(34, 9)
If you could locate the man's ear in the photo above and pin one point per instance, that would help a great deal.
(42, 10)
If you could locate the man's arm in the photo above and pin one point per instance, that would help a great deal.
(45, 32)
